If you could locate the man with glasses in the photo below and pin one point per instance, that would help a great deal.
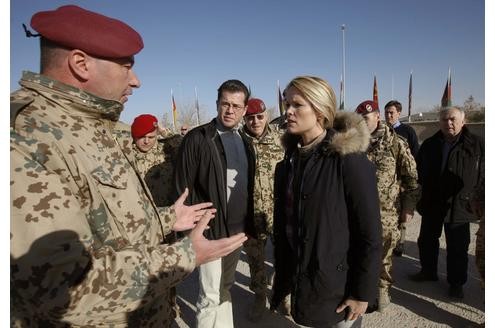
(216, 162)
(269, 151)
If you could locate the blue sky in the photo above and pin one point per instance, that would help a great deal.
(200, 44)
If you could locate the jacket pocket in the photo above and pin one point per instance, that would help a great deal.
(104, 220)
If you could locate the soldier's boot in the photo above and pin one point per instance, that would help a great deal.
(257, 308)
(383, 299)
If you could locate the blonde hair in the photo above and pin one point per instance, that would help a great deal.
(319, 94)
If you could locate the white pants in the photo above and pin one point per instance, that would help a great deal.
(214, 306)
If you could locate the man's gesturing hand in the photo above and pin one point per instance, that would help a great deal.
(188, 216)
(209, 250)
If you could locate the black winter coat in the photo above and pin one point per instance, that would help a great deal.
(201, 166)
(337, 250)
(446, 195)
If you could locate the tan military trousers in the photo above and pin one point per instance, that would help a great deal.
(391, 236)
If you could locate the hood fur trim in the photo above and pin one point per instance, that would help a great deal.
(351, 134)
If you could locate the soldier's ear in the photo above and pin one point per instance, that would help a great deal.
(79, 64)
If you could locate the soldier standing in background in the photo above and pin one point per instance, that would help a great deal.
(155, 152)
(398, 189)
(86, 239)
(155, 157)
(392, 113)
(268, 151)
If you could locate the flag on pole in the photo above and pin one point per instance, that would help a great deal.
(196, 104)
(174, 110)
(410, 97)
(447, 93)
(375, 91)
(281, 106)
(341, 101)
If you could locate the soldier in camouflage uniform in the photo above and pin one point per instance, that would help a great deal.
(86, 238)
(155, 152)
(155, 161)
(269, 151)
(398, 189)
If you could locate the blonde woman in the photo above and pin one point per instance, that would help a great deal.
(327, 221)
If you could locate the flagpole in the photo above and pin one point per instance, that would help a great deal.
(410, 99)
(197, 106)
(343, 65)
(281, 108)
(174, 109)
(450, 90)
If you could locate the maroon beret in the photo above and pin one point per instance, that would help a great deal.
(78, 28)
(142, 125)
(255, 106)
(367, 107)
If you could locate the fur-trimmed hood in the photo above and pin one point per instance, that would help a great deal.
(349, 134)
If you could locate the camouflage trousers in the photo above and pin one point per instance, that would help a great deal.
(480, 250)
(391, 236)
(255, 251)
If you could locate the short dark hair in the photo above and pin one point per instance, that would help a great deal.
(395, 103)
(234, 86)
(49, 54)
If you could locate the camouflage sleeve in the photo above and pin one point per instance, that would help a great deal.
(167, 218)
(408, 176)
(59, 268)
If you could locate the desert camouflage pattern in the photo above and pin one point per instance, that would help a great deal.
(255, 252)
(268, 151)
(157, 168)
(398, 188)
(86, 238)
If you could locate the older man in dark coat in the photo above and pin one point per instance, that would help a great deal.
(449, 169)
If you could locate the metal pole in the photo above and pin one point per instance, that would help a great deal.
(343, 66)
(196, 105)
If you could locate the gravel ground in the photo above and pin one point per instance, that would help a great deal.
(413, 304)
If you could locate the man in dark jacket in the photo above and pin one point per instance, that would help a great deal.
(216, 162)
(449, 169)
(392, 113)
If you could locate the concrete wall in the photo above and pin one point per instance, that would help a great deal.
(426, 129)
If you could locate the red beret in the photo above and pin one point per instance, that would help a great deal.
(255, 106)
(367, 107)
(142, 125)
(78, 28)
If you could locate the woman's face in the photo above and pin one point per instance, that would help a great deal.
(301, 117)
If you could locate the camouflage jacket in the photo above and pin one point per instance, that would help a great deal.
(157, 168)
(397, 177)
(86, 239)
(268, 151)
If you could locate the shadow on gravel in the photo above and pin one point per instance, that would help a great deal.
(437, 290)
(429, 310)
(188, 291)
